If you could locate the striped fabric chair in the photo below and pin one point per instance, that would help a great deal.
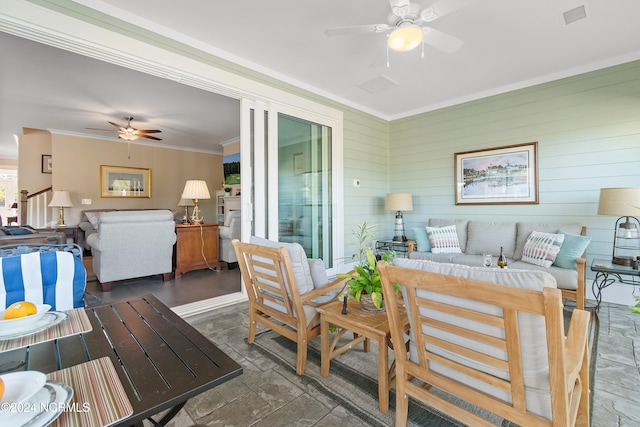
(57, 278)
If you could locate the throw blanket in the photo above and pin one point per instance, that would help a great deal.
(55, 278)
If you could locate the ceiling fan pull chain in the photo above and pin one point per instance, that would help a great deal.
(422, 50)
(387, 56)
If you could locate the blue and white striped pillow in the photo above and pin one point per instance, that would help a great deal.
(542, 248)
(54, 278)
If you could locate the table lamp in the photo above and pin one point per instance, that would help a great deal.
(61, 200)
(399, 202)
(622, 202)
(186, 203)
(196, 189)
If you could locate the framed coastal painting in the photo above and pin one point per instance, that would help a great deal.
(501, 175)
(120, 181)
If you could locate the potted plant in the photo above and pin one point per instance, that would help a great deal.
(227, 191)
(364, 281)
(636, 308)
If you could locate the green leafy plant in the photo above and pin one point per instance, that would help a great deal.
(227, 189)
(636, 308)
(365, 278)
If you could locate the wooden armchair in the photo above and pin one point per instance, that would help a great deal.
(500, 348)
(275, 297)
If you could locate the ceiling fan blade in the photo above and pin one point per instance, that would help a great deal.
(118, 126)
(400, 7)
(444, 7)
(441, 41)
(150, 137)
(106, 130)
(356, 29)
(141, 131)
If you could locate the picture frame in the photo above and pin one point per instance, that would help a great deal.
(125, 182)
(47, 163)
(503, 175)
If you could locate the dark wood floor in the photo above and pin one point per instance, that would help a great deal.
(192, 286)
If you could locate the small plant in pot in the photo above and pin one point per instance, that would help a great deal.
(227, 190)
(364, 282)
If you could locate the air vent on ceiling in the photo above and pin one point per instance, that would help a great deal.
(378, 84)
(575, 14)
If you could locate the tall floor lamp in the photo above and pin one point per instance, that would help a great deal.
(625, 203)
(399, 202)
(196, 189)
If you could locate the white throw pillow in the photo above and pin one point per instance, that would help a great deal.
(542, 248)
(94, 218)
(444, 240)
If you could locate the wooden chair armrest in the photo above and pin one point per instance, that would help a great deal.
(581, 287)
(340, 284)
(575, 345)
(411, 247)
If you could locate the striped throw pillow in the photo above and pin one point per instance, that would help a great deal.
(444, 240)
(542, 248)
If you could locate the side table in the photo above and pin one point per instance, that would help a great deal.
(365, 325)
(70, 231)
(196, 248)
(605, 268)
(401, 248)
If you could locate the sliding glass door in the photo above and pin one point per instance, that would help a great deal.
(291, 158)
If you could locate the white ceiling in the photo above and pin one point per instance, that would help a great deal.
(508, 44)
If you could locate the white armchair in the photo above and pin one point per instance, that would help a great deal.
(132, 244)
(229, 231)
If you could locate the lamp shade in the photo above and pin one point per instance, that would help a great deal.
(406, 37)
(619, 201)
(399, 202)
(196, 189)
(186, 202)
(60, 199)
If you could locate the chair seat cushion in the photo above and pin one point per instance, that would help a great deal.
(56, 278)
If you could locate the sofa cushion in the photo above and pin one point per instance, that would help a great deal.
(461, 228)
(299, 262)
(488, 237)
(565, 278)
(422, 240)
(542, 248)
(444, 239)
(572, 248)
(93, 218)
(525, 229)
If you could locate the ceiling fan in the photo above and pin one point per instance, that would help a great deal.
(406, 25)
(130, 133)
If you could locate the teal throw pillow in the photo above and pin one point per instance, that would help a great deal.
(422, 240)
(572, 248)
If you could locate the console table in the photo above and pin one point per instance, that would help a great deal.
(605, 268)
(196, 248)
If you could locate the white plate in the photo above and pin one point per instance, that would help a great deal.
(47, 320)
(20, 386)
(21, 323)
(44, 407)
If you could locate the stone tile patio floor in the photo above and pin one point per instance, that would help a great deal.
(268, 394)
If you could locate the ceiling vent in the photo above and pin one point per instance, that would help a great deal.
(575, 14)
(378, 84)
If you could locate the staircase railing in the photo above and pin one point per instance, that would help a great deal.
(34, 208)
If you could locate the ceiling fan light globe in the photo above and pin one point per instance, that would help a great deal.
(405, 37)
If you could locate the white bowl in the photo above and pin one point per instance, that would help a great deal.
(20, 386)
(22, 323)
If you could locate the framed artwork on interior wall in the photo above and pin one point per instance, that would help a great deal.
(502, 175)
(121, 181)
(47, 163)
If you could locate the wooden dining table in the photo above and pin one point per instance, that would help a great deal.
(159, 359)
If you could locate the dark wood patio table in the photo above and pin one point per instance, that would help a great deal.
(160, 359)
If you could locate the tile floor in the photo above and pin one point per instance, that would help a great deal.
(269, 395)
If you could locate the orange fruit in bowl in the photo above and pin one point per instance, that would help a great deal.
(20, 309)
